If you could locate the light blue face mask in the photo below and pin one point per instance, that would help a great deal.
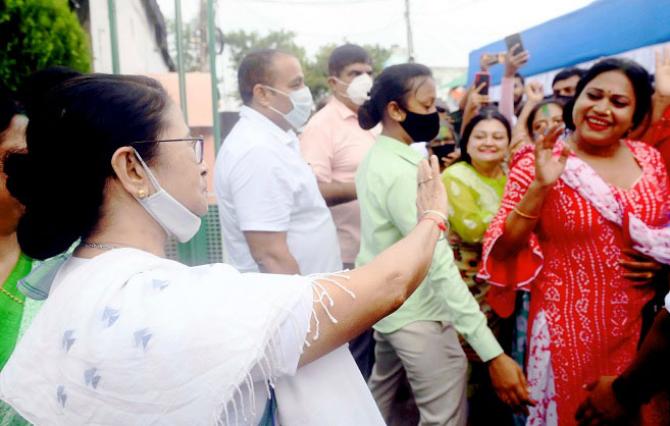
(302, 102)
(170, 214)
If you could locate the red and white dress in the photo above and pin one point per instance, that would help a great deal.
(585, 317)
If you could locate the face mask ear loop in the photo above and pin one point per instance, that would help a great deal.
(152, 178)
(271, 108)
(277, 91)
(345, 94)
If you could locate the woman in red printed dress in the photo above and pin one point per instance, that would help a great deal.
(582, 227)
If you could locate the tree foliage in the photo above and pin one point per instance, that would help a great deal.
(316, 69)
(37, 34)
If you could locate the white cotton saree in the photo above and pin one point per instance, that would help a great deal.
(130, 338)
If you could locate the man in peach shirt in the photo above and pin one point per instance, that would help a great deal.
(334, 144)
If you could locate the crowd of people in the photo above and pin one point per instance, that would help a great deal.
(502, 263)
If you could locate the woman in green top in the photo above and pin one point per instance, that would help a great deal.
(419, 340)
(15, 310)
(475, 187)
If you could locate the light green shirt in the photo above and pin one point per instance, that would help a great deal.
(386, 186)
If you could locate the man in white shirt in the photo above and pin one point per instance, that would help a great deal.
(273, 216)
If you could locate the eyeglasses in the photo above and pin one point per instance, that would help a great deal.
(198, 145)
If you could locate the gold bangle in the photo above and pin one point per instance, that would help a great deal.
(524, 215)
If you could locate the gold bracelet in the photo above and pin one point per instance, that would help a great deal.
(524, 215)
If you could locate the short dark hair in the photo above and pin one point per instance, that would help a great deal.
(636, 74)
(345, 55)
(549, 101)
(486, 113)
(567, 73)
(255, 68)
(393, 84)
(71, 136)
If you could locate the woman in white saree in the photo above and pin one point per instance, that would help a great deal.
(128, 337)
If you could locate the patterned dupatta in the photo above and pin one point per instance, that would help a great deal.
(651, 241)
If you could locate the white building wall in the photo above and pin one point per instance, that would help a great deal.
(138, 51)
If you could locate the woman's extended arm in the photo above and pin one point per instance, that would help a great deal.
(384, 284)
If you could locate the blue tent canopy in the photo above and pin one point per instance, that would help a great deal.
(603, 28)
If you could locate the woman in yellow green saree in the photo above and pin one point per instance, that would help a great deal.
(475, 186)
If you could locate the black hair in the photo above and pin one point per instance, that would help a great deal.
(560, 101)
(520, 77)
(345, 55)
(256, 68)
(636, 74)
(71, 137)
(37, 85)
(486, 113)
(567, 73)
(393, 84)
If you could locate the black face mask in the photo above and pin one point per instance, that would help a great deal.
(443, 150)
(421, 127)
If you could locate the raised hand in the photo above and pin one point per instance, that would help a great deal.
(663, 72)
(514, 61)
(431, 194)
(548, 168)
(534, 91)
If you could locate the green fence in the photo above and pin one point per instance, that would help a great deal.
(205, 247)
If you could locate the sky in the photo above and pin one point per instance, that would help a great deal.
(444, 31)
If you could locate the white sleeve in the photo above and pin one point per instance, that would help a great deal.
(667, 302)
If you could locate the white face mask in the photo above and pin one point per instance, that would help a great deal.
(358, 90)
(170, 214)
(303, 104)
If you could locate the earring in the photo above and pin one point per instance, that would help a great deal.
(141, 194)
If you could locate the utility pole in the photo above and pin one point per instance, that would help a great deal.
(203, 58)
(410, 40)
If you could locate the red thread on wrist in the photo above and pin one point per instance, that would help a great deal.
(440, 224)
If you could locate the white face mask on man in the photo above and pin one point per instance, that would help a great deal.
(302, 102)
(175, 218)
(358, 89)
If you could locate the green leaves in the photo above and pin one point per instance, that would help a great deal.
(316, 69)
(37, 34)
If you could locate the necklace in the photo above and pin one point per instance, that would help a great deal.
(100, 246)
(11, 296)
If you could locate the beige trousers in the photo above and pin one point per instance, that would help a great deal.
(429, 353)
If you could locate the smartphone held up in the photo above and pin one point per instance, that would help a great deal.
(485, 79)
